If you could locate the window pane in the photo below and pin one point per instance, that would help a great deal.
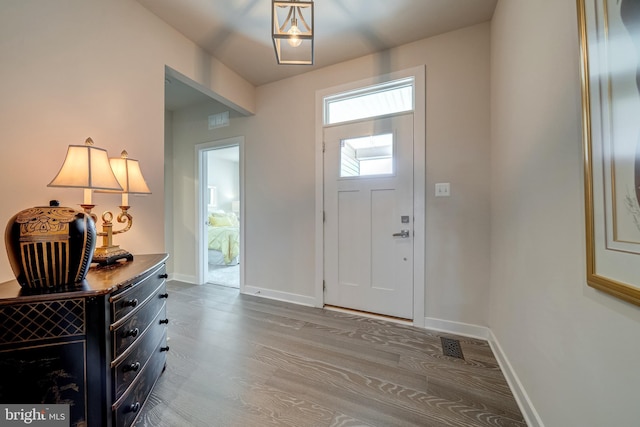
(388, 98)
(368, 155)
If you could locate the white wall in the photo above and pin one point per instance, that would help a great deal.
(280, 174)
(168, 186)
(78, 68)
(574, 349)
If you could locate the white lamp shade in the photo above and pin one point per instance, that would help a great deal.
(129, 175)
(86, 166)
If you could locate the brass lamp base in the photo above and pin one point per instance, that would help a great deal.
(110, 255)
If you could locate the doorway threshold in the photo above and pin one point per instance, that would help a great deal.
(370, 315)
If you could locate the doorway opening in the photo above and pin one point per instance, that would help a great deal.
(220, 209)
(371, 154)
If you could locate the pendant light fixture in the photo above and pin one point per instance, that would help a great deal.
(292, 31)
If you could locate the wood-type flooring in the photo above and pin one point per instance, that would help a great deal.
(239, 360)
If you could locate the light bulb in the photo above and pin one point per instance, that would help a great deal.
(294, 31)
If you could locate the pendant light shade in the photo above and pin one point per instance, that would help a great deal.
(292, 31)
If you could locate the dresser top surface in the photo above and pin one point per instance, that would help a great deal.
(99, 281)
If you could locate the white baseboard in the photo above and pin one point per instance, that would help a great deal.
(457, 328)
(519, 393)
(183, 278)
(279, 295)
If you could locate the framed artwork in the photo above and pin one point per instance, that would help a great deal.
(610, 51)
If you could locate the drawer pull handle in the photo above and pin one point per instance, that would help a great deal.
(132, 333)
(134, 407)
(163, 296)
(132, 367)
(131, 302)
(164, 321)
(164, 348)
(164, 276)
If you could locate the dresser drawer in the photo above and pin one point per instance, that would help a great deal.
(127, 369)
(132, 327)
(126, 301)
(127, 408)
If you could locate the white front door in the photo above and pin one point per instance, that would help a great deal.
(368, 203)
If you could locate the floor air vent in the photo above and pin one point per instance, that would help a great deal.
(451, 348)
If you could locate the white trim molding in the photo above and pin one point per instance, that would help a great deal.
(183, 278)
(278, 295)
(529, 413)
(457, 328)
(201, 196)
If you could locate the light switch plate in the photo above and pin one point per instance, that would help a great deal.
(443, 189)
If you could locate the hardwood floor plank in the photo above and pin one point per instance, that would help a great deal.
(241, 360)
(373, 411)
(360, 363)
(383, 394)
(342, 420)
(235, 395)
(453, 372)
(506, 408)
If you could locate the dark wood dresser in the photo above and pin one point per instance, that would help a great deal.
(99, 347)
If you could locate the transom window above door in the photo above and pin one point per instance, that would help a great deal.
(392, 97)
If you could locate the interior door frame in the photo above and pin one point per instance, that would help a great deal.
(419, 183)
(201, 203)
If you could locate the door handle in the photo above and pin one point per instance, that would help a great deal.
(403, 233)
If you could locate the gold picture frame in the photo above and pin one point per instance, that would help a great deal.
(609, 32)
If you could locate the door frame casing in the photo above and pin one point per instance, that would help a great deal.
(419, 183)
(201, 197)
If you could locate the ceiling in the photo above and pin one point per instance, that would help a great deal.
(179, 95)
(237, 32)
